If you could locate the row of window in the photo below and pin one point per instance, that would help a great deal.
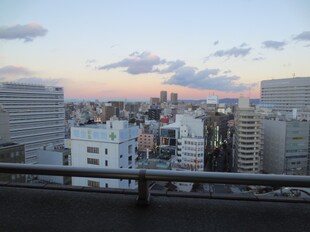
(96, 150)
(96, 161)
(193, 143)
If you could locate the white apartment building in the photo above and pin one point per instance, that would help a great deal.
(247, 139)
(286, 147)
(110, 145)
(284, 95)
(185, 138)
(36, 115)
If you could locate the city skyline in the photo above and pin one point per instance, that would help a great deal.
(133, 50)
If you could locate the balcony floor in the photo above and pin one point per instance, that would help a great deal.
(27, 209)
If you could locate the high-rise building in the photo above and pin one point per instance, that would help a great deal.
(247, 138)
(163, 96)
(107, 113)
(110, 145)
(174, 98)
(4, 126)
(154, 113)
(286, 147)
(154, 101)
(36, 115)
(284, 95)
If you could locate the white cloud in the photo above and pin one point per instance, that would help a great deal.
(277, 45)
(15, 71)
(304, 36)
(209, 79)
(24, 32)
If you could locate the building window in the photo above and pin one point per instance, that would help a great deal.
(93, 161)
(107, 185)
(93, 183)
(106, 151)
(106, 163)
(129, 149)
(93, 150)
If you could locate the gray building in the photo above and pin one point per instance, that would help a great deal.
(36, 115)
(4, 125)
(286, 147)
(174, 98)
(163, 96)
(284, 95)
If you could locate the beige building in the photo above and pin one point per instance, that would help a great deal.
(247, 140)
(146, 141)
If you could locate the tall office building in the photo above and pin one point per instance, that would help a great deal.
(163, 96)
(284, 95)
(110, 145)
(36, 115)
(247, 138)
(4, 126)
(286, 147)
(174, 98)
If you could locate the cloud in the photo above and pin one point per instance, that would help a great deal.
(243, 45)
(308, 45)
(15, 71)
(24, 32)
(215, 43)
(145, 62)
(274, 44)
(259, 58)
(172, 66)
(39, 81)
(138, 63)
(209, 79)
(233, 52)
(304, 36)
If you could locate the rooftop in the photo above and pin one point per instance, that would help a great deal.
(92, 209)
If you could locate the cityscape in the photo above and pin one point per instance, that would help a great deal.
(209, 93)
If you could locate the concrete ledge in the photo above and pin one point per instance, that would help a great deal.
(103, 190)
(25, 185)
(63, 187)
(242, 197)
(281, 199)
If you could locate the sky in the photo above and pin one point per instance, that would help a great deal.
(134, 49)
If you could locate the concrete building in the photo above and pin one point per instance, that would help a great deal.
(246, 148)
(286, 147)
(154, 113)
(4, 126)
(163, 96)
(12, 153)
(284, 95)
(146, 141)
(107, 112)
(154, 101)
(174, 98)
(113, 145)
(55, 156)
(36, 115)
(185, 139)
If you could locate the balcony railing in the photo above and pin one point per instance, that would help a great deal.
(145, 176)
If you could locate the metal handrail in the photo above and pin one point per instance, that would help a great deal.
(143, 176)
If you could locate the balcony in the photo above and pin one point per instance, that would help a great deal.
(46, 207)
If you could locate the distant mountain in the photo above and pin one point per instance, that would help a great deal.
(254, 101)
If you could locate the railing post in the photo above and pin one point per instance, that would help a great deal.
(144, 196)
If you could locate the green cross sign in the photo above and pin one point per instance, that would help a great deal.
(112, 136)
